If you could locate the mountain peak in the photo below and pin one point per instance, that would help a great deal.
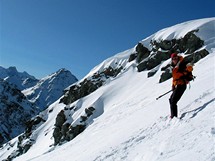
(12, 69)
(63, 71)
(50, 88)
(21, 79)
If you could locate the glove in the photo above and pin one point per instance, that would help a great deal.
(189, 67)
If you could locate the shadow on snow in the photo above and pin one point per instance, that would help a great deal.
(196, 111)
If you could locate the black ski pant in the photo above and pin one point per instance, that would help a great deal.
(175, 97)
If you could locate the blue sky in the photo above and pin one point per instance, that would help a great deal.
(42, 36)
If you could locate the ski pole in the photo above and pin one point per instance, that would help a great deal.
(164, 94)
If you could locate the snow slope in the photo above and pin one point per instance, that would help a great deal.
(129, 123)
(131, 127)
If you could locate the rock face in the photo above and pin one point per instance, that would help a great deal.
(66, 131)
(15, 110)
(89, 85)
(26, 140)
(193, 58)
(161, 50)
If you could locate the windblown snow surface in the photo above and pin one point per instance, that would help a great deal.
(130, 124)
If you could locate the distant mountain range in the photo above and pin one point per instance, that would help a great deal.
(21, 79)
(23, 96)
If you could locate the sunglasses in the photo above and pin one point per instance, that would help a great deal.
(175, 58)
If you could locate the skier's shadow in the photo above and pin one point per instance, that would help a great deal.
(196, 111)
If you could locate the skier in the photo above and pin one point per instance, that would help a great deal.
(181, 74)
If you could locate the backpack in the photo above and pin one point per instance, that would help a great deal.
(188, 75)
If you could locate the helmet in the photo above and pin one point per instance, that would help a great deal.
(174, 55)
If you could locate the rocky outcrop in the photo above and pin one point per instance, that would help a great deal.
(142, 52)
(57, 134)
(89, 85)
(161, 50)
(193, 58)
(66, 131)
(26, 140)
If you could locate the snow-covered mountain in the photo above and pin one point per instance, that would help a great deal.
(50, 88)
(41, 92)
(15, 111)
(17, 107)
(21, 79)
(112, 113)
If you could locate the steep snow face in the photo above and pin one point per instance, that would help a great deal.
(50, 88)
(117, 61)
(21, 79)
(127, 122)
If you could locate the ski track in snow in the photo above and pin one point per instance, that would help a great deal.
(163, 125)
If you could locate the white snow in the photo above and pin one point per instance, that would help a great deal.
(130, 124)
(206, 31)
(50, 88)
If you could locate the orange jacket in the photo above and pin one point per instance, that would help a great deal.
(177, 73)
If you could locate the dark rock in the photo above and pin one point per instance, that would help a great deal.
(165, 76)
(57, 133)
(142, 66)
(65, 129)
(31, 123)
(166, 44)
(161, 50)
(60, 119)
(132, 57)
(151, 73)
(89, 111)
(89, 85)
(92, 109)
(75, 130)
(142, 52)
(83, 118)
(199, 55)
